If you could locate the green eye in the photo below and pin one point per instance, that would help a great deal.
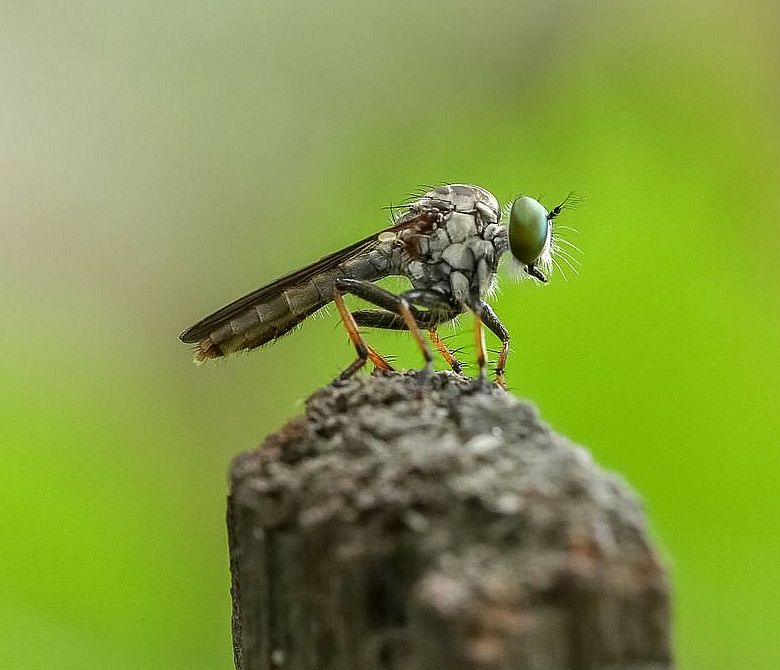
(529, 229)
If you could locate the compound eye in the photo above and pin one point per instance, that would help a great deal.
(529, 229)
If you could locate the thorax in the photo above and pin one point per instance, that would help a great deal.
(459, 257)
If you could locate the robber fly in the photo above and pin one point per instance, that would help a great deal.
(447, 243)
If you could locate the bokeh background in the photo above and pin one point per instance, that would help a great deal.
(158, 159)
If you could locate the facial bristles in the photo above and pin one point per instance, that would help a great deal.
(560, 256)
(545, 260)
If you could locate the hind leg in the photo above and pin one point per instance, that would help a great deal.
(399, 313)
(439, 310)
(364, 352)
(391, 302)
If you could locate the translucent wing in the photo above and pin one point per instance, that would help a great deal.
(209, 324)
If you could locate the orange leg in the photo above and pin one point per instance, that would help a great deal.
(501, 365)
(488, 316)
(443, 349)
(364, 352)
(378, 360)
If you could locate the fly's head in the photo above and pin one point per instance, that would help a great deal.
(530, 233)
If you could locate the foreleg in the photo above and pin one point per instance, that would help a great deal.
(486, 314)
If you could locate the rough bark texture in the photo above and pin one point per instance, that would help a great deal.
(405, 524)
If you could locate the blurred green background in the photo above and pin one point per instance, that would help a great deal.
(159, 159)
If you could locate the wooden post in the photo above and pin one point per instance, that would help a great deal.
(405, 524)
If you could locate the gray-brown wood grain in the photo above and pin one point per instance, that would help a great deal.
(408, 525)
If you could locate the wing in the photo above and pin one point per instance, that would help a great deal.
(209, 324)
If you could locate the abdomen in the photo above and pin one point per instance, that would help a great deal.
(277, 314)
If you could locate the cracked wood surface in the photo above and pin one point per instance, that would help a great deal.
(410, 524)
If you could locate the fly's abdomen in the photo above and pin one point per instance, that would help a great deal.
(280, 311)
(267, 320)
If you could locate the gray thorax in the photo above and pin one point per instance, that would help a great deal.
(459, 256)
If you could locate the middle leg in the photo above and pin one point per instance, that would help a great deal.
(444, 350)
(440, 309)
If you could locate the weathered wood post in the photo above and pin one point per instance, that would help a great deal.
(404, 524)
